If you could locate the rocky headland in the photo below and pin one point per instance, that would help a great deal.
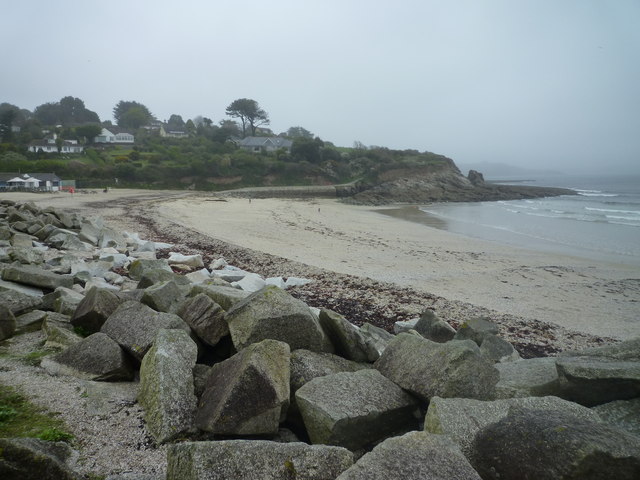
(441, 183)
(171, 358)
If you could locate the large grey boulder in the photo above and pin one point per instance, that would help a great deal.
(7, 323)
(94, 309)
(66, 300)
(138, 267)
(96, 357)
(26, 255)
(498, 350)
(223, 295)
(354, 409)
(624, 414)
(163, 296)
(433, 328)
(273, 313)
(462, 418)
(307, 365)
(414, 455)
(247, 394)
(166, 385)
(531, 377)
(159, 275)
(205, 317)
(19, 302)
(428, 369)
(377, 339)
(551, 445)
(255, 460)
(476, 329)
(135, 326)
(34, 459)
(346, 338)
(36, 276)
(601, 375)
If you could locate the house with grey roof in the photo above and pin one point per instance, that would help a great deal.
(265, 144)
(29, 181)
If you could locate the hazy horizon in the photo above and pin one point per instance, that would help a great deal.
(535, 84)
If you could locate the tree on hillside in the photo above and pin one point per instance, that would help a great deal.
(7, 116)
(296, 132)
(175, 121)
(68, 111)
(307, 149)
(131, 115)
(249, 113)
(89, 131)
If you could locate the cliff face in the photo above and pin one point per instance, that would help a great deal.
(442, 183)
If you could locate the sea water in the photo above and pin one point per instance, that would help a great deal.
(601, 222)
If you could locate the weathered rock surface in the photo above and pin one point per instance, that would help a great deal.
(462, 418)
(94, 309)
(223, 295)
(601, 375)
(37, 277)
(96, 357)
(498, 350)
(355, 409)
(247, 394)
(476, 329)
(273, 313)
(166, 385)
(135, 326)
(414, 455)
(140, 266)
(428, 369)
(163, 296)
(255, 460)
(377, 338)
(531, 377)
(205, 317)
(624, 414)
(158, 275)
(8, 323)
(551, 444)
(433, 328)
(346, 337)
(33, 459)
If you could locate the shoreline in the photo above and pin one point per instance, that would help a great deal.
(386, 269)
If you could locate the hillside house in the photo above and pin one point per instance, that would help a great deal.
(48, 145)
(114, 136)
(265, 144)
(173, 132)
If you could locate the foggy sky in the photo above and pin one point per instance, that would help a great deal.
(534, 83)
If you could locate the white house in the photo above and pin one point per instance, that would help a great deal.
(107, 136)
(48, 145)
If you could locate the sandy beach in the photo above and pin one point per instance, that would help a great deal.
(591, 297)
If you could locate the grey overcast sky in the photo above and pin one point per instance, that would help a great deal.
(534, 83)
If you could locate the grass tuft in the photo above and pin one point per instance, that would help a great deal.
(21, 418)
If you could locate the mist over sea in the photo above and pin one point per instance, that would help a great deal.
(601, 222)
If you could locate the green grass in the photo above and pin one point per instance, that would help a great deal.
(21, 418)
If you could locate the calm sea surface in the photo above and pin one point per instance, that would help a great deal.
(601, 222)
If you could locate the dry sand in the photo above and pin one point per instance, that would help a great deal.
(588, 296)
